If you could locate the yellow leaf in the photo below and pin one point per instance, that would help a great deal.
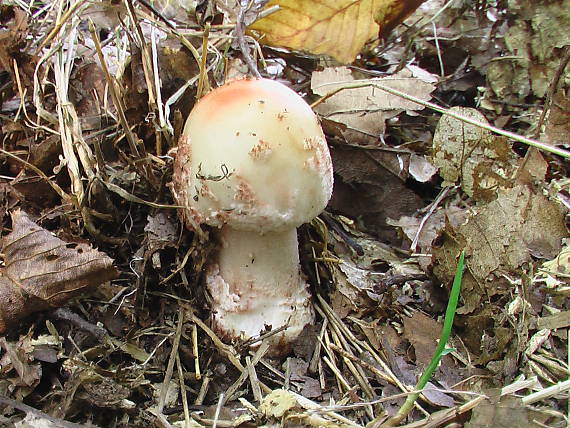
(277, 403)
(338, 28)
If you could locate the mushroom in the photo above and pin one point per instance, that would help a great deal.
(253, 162)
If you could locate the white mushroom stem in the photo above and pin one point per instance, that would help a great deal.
(256, 283)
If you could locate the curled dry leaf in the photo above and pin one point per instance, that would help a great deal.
(41, 271)
(421, 169)
(554, 273)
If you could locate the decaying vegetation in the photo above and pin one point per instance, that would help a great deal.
(448, 135)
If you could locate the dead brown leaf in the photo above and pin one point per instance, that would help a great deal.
(160, 233)
(41, 271)
(481, 161)
(502, 236)
(431, 228)
(423, 333)
(309, 386)
(365, 109)
(534, 38)
(554, 273)
(103, 393)
(558, 320)
(20, 360)
(88, 90)
(13, 40)
(503, 412)
(368, 188)
(499, 239)
(338, 28)
(532, 169)
(558, 123)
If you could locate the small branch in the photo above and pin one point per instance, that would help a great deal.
(65, 314)
(559, 388)
(240, 35)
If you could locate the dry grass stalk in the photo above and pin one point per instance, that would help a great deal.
(171, 361)
(182, 387)
(203, 391)
(120, 108)
(252, 374)
(361, 346)
(233, 390)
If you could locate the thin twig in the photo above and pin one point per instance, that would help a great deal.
(132, 198)
(375, 83)
(64, 196)
(146, 61)
(261, 351)
(438, 50)
(55, 31)
(196, 352)
(179, 267)
(555, 389)
(170, 366)
(183, 390)
(65, 314)
(203, 83)
(218, 409)
(240, 36)
(552, 89)
(203, 391)
(253, 380)
(425, 218)
(378, 373)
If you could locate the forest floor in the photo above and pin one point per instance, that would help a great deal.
(448, 135)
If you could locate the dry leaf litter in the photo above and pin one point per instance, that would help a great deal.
(104, 318)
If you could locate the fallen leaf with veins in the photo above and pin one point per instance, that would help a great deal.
(339, 28)
(42, 272)
(480, 161)
(366, 108)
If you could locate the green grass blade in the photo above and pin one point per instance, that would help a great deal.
(440, 349)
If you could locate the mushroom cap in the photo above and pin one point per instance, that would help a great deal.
(252, 156)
